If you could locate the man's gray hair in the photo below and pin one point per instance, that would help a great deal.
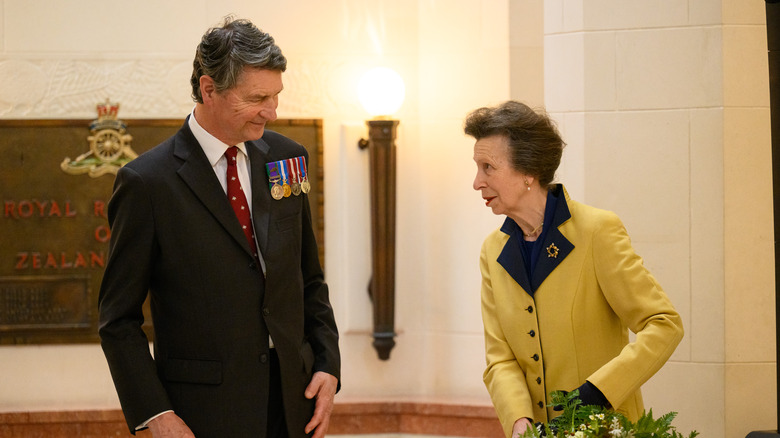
(224, 51)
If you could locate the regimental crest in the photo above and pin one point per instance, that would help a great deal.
(109, 145)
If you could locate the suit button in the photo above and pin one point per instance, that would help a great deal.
(541, 405)
(266, 311)
(539, 380)
(532, 333)
(535, 357)
(530, 309)
(263, 358)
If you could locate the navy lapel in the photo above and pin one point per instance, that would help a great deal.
(554, 250)
(261, 194)
(556, 246)
(197, 173)
(511, 257)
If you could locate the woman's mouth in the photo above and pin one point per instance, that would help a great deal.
(488, 200)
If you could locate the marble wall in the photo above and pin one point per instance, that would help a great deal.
(665, 105)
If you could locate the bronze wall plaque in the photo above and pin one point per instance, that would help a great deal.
(54, 231)
(44, 302)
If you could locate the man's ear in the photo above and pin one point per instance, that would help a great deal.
(207, 87)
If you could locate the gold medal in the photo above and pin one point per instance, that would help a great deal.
(305, 186)
(285, 177)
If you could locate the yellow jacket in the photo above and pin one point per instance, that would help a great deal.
(593, 288)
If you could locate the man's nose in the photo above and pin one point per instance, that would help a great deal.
(268, 111)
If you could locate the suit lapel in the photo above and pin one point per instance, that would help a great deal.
(261, 194)
(197, 173)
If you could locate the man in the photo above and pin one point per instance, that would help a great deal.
(245, 339)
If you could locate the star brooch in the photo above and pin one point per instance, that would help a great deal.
(552, 251)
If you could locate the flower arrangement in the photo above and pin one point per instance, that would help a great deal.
(597, 422)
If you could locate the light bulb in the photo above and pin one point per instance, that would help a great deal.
(381, 91)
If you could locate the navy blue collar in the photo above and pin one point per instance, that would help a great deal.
(551, 251)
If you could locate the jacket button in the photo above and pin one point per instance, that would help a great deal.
(535, 357)
(263, 358)
(530, 309)
(541, 405)
(532, 333)
(539, 380)
(266, 311)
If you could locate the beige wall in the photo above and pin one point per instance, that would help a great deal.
(664, 105)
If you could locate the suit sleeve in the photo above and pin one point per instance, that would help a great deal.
(122, 293)
(641, 304)
(503, 376)
(320, 324)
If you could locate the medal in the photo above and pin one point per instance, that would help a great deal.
(287, 177)
(295, 176)
(305, 185)
(285, 174)
(277, 192)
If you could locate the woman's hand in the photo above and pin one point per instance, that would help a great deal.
(520, 426)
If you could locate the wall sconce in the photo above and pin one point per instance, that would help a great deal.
(381, 91)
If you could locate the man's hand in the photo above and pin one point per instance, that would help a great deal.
(323, 388)
(169, 425)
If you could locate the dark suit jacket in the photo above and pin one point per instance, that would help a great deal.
(175, 236)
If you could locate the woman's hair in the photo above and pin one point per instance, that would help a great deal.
(224, 51)
(535, 146)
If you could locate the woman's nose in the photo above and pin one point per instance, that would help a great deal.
(478, 182)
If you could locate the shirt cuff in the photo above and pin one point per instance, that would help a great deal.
(145, 424)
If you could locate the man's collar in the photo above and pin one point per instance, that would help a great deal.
(212, 147)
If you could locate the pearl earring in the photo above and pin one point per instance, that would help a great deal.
(528, 186)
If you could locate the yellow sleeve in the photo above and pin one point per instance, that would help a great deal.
(640, 302)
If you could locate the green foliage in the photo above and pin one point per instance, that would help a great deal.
(586, 421)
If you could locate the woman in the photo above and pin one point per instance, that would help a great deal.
(561, 283)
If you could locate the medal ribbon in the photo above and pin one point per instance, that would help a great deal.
(273, 173)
